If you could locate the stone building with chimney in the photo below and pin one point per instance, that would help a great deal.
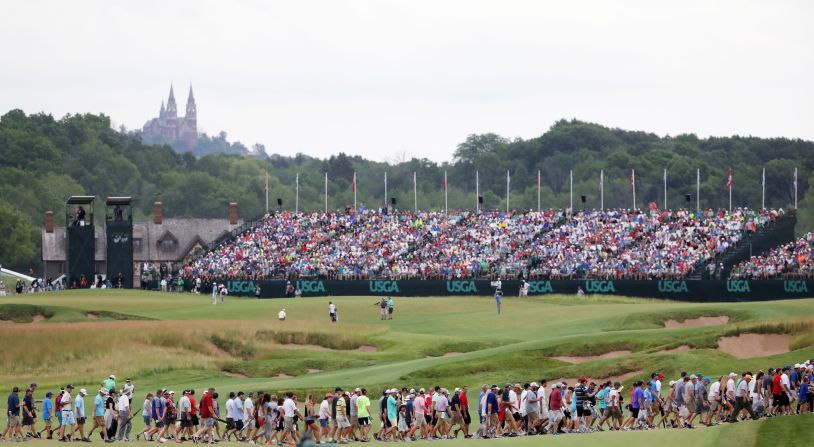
(159, 241)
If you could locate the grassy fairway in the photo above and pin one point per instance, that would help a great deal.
(179, 341)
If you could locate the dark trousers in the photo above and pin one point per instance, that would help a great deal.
(740, 404)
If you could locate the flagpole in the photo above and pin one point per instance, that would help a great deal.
(297, 195)
(326, 191)
(571, 188)
(633, 184)
(266, 187)
(698, 189)
(385, 189)
(538, 191)
(795, 188)
(354, 190)
(415, 194)
(601, 189)
(508, 181)
(446, 201)
(665, 188)
(477, 192)
(729, 181)
(763, 199)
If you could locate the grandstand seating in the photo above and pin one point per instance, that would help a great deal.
(550, 244)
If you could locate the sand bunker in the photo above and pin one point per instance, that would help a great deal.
(313, 371)
(92, 315)
(452, 354)
(747, 346)
(682, 348)
(697, 322)
(619, 378)
(607, 355)
(283, 376)
(365, 348)
(235, 375)
(37, 318)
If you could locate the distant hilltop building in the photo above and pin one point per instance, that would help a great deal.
(171, 128)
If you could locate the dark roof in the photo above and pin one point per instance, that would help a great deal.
(118, 201)
(80, 200)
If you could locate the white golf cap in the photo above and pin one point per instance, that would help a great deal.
(534, 384)
(83, 391)
(112, 376)
(733, 375)
(672, 382)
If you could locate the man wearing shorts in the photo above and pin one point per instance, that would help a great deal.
(99, 413)
(185, 415)
(363, 413)
(342, 421)
(68, 418)
(208, 415)
(47, 414)
(289, 413)
(492, 410)
(354, 416)
(79, 410)
(532, 409)
(13, 424)
(555, 413)
(249, 418)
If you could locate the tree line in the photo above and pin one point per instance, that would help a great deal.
(44, 160)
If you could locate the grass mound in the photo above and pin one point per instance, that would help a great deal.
(24, 313)
(338, 341)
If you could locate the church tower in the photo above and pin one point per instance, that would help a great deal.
(188, 131)
(192, 110)
(172, 109)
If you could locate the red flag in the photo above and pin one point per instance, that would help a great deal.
(729, 180)
(353, 185)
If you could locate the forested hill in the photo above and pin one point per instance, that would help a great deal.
(43, 160)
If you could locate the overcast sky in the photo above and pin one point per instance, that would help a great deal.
(386, 78)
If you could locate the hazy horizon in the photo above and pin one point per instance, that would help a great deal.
(384, 80)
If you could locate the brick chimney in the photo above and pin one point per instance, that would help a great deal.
(158, 213)
(49, 221)
(232, 213)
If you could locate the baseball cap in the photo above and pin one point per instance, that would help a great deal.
(707, 380)
(329, 396)
(693, 377)
(112, 376)
(69, 386)
(534, 384)
(357, 390)
(672, 382)
(83, 391)
(748, 377)
(103, 391)
(49, 394)
(582, 380)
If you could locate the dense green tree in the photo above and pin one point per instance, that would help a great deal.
(44, 160)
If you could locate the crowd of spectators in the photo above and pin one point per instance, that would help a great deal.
(550, 244)
(789, 261)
